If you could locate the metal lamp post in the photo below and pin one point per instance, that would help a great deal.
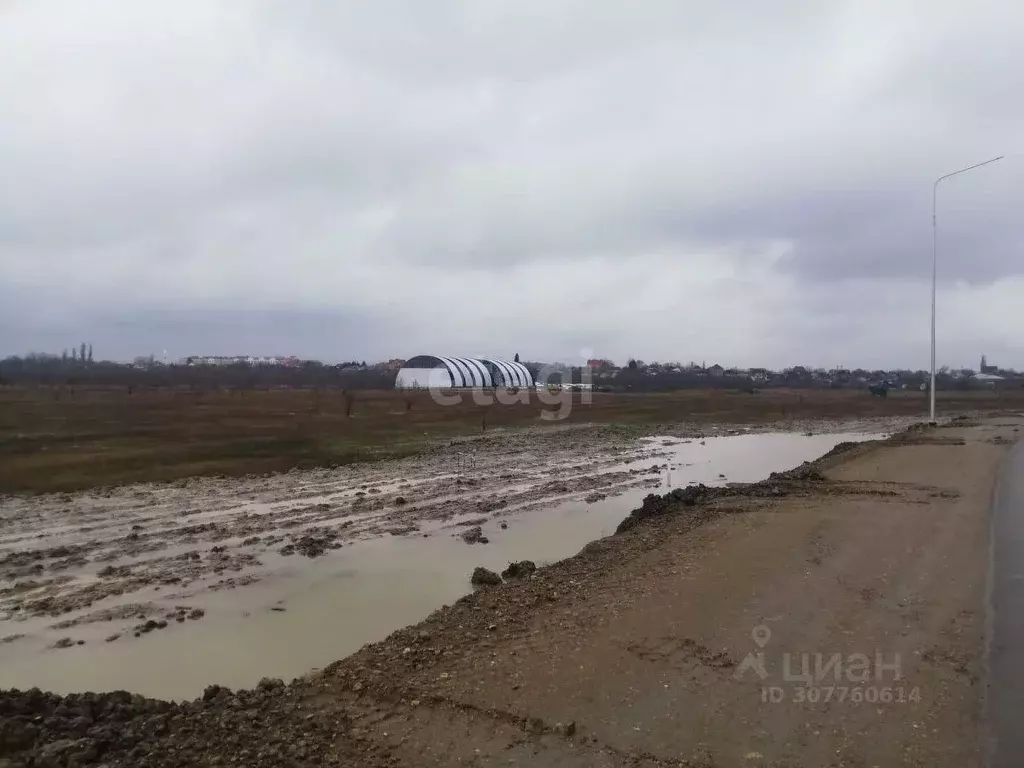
(935, 261)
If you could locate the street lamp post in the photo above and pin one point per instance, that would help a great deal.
(935, 262)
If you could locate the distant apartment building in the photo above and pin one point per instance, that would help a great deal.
(251, 360)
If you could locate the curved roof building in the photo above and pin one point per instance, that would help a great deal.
(430, 372)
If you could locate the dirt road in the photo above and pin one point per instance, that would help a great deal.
(831, 617)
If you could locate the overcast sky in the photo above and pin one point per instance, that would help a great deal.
(747, 183)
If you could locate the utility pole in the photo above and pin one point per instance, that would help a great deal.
(935, 261)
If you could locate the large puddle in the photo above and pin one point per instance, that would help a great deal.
(308, 613)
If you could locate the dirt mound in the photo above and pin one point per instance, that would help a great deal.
(484, 578)
(47, 729)
(654, 505)
(806, 473)
(262, 727)
(839, 450)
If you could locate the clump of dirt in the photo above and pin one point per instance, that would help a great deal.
(475, 535)
(312, 544)
(150, 626)
(520, 570)
(482, 577)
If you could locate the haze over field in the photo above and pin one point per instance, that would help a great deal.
(675, 180)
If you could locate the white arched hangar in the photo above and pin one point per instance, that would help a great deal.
(430, 372)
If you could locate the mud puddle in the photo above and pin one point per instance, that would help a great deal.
(171, 589)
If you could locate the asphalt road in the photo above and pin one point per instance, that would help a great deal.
(1005, 697)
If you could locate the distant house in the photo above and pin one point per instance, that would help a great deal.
(715, 370)
(988, 378)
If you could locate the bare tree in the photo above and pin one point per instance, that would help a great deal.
(407, 394)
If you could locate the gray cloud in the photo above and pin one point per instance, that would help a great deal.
(681, 182)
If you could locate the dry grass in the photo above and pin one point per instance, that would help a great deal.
(56, 441)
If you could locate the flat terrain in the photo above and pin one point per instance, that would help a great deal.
(155, 580)
(64, 439)
(681, 641)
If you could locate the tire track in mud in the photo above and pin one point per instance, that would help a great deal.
(135, 552)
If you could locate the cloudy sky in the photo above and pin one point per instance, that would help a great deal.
(664, 179)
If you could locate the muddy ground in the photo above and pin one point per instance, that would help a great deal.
(115, 564)
(635, 652)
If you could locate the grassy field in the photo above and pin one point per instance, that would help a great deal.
(58, 441)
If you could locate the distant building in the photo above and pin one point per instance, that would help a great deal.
(986, 368)
(431, 372)
(251, 360)
(715, 370)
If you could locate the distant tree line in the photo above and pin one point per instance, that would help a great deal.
(77, 368)
(72, 370)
